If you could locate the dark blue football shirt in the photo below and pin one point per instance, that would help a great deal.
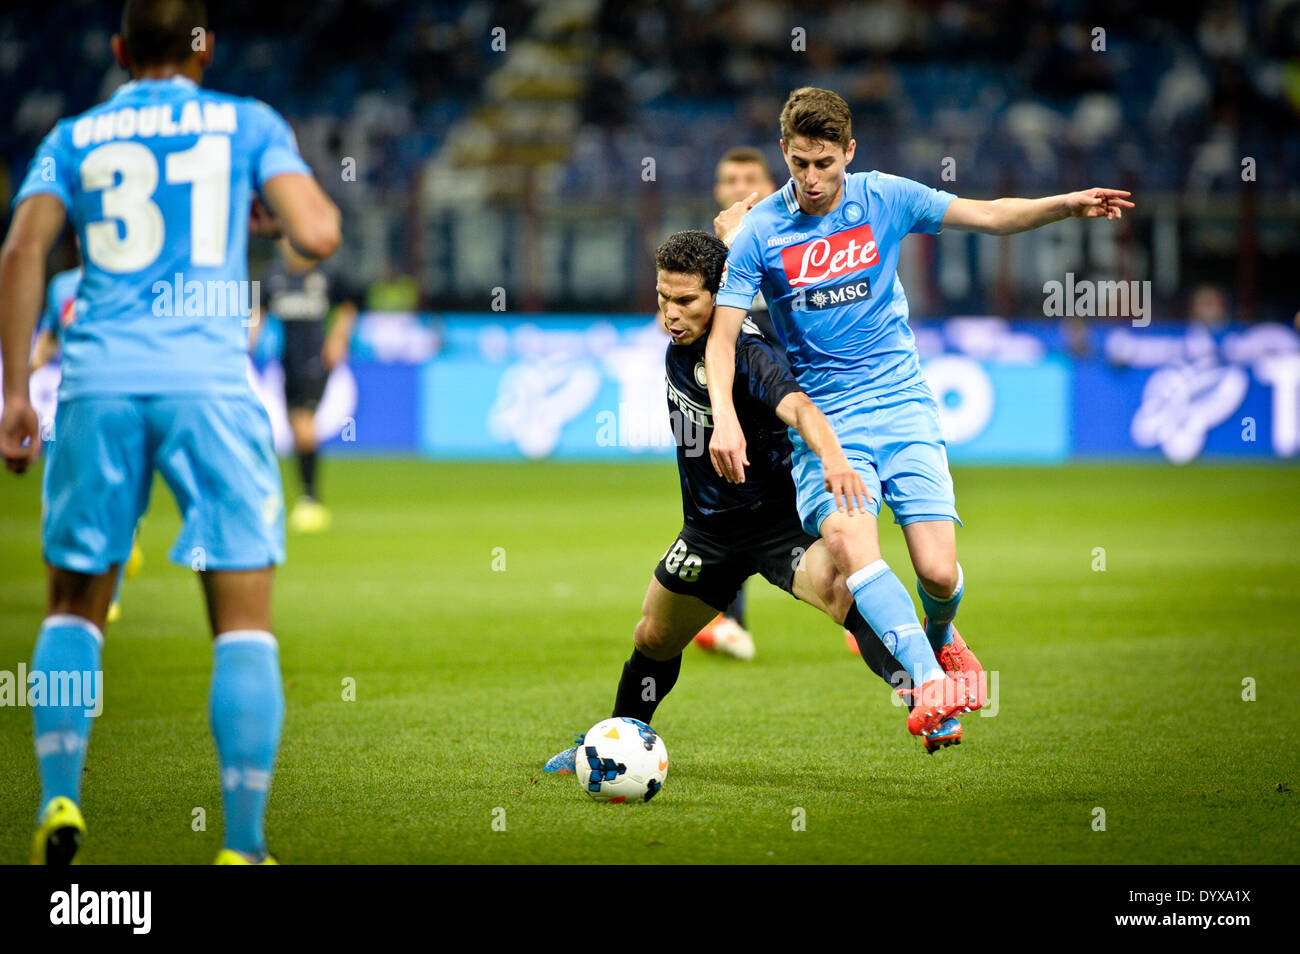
(763, 378)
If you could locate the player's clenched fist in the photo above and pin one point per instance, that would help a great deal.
(727, 450)
(846, 486)
(19, 426)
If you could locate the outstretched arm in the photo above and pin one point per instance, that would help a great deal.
(727, 446)
(798, 411)
(1008, 216)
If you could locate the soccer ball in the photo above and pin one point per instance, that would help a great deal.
(622, 760)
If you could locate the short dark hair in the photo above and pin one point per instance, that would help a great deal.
(748, 154)
(158, 32)
(693, 252)
(817, 114)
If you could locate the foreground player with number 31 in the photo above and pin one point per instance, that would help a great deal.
(823, 250)
(158, 182)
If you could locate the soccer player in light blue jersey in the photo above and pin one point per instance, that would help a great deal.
(823, 250)
(60, 311)
(158, 182)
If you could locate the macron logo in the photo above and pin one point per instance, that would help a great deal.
(830, 257)
(776, 241)
(75, 906)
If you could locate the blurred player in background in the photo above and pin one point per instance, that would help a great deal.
(741, 179)
(824, 251)
(60, 311)
(732, 531)
(298, 294)
(158, 182)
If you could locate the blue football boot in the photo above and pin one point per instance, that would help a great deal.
(565, 763)
(948, 733)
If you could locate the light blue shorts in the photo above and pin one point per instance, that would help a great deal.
(895, 444)
(215, 454)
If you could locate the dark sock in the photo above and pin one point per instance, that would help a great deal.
(737, 608)
(880, 660)
(307, 471)
(644, 684)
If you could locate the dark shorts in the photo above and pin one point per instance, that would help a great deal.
(304, 371)
(712, 566)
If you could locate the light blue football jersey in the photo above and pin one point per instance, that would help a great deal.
(831, 283)
(61, 302)
(158, 181)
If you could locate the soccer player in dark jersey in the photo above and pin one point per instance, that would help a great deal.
(732, 531)
(159, 182)
(742, 178)
(298, 293)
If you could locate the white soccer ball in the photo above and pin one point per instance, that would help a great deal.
(622, 760)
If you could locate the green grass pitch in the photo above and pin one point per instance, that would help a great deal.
(1119, 690)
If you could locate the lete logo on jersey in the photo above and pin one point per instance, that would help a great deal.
(830, 256)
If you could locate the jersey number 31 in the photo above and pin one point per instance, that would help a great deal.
(130, 236)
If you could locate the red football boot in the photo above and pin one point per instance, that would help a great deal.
(724, 635)
(935, 702)
(956, 658)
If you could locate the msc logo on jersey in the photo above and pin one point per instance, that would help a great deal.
(819, 298)
(830, 256)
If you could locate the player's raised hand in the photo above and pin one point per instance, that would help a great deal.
(847, 487)
(727, 450)
(726, 222)
(1095, 203)
(20, 435)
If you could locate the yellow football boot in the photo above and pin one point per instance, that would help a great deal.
(226, 856)
(59, 834)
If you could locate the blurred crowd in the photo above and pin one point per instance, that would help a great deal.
(1017, 91)
(372, 78)
(564, 99)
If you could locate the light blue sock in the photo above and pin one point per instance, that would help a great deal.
(247, 710)
(939, 614)
(65, 663)
(884, 602)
